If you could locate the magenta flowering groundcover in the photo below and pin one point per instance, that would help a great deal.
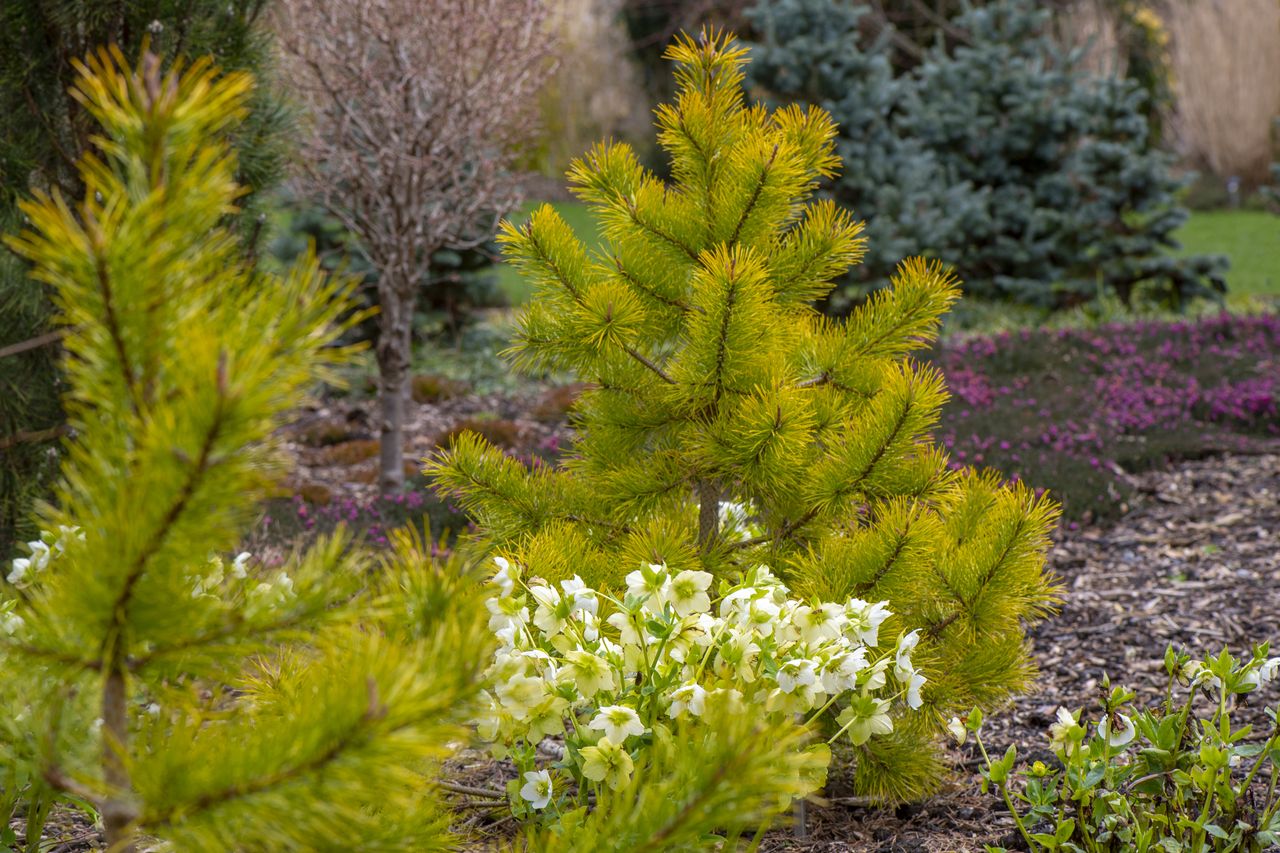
(1074, 410)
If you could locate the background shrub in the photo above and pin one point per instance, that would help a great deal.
(999, 155)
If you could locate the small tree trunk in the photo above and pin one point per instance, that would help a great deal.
(118, 812)
(395, 341)
(708, 513)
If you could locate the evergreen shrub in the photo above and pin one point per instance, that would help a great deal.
(999, 155)
(211, 704)
(714, 387)
(44, 131)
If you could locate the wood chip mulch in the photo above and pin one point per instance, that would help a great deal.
(1196, 565)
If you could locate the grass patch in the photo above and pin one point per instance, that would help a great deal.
(1251, 238)
(513, 285)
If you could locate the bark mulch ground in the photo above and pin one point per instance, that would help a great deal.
(1196, 565)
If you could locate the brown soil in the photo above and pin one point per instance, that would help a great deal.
(1197, 565)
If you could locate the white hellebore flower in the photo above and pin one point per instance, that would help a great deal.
(734, 606)
(902, 668)
(580, 596)
(689, 697)
(687, 593)
(1118, 738)
(648, 584)
(1268, 669)
(502, 577)
(551, 612)
(840, 672)
(66, 532)
(18, 573)
(865, 619)
(240, 565)
(24, 567)
(819, 624)
(537, 789)
(618, 722)
(40, 555)
(11, 623)
(796, 673)
(914, 683)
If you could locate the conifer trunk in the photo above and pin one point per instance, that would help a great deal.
(395, 341)
(708, 513)
(117, 813)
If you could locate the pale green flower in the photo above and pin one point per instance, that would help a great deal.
(618, 722)
(687, 593)
(1066, 734)
(520, 693)
(547, 718)
(689, 698)
(590, 673)
(866, 716)
(607, 762)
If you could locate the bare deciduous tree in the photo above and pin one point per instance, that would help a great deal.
(417, 110)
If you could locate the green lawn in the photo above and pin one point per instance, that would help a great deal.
(1250, 238)
(517, 290)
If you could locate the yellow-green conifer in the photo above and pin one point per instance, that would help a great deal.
(210, 705)
(715, 384)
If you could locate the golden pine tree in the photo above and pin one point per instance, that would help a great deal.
(716, 390)
(213, 706)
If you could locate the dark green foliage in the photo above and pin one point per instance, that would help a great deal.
(43, 131)
(1272, 193)
(1037, 181)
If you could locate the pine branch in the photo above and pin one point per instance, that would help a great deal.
(652, 293)
(649, 365)
(112, 323)
(658, 232)
(34, 436)
(32, 343)
(315, 765)
(755, 195)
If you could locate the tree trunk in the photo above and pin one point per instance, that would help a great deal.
(708, 513)
(395, 341)
(118, 813)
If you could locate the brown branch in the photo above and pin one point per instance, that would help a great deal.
(59, 781)
(112, 322)
(658, 232)
(32, 343)
(652, 292)
(34, 436)
(755, 195)
(470, 791)
(657, 371)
